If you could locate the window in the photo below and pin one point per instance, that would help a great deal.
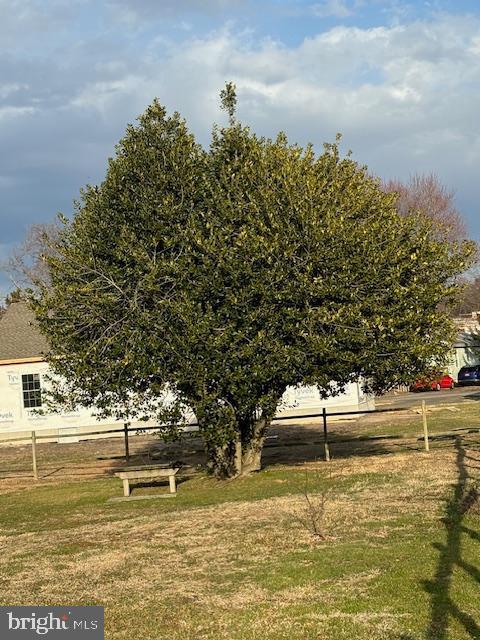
(32, 393)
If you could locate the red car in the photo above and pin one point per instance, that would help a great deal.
(445, 382)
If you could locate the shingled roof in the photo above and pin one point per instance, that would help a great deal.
(20, 336)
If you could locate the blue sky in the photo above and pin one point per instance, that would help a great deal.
(399, 79)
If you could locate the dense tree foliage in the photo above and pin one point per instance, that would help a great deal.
(226, 275)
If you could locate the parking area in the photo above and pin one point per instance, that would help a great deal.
(445, 396)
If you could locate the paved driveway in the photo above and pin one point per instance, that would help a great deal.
(445, 396)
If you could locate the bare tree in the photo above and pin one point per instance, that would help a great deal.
(13, 296)
(26, 266)
(425, 193)
(470, 299)
(312, 514)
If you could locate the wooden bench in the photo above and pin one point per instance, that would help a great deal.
(146, 472)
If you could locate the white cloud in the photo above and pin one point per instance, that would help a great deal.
(135, 11)
(335, 8)
(405, 96)
(27, 22)
(8, 113)
(391, 84)
(102, 96)
(6, 90)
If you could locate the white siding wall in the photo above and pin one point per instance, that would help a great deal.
(305, 400)
(462, 357)
(17, 420)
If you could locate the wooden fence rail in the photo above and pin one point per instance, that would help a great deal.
(126, 429)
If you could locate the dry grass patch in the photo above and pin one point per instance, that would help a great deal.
(247, 568)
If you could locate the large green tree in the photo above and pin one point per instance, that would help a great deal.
(222, 276)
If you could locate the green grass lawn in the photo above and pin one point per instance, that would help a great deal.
(399, 556)
(449, 418)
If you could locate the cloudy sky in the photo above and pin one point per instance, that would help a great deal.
(400, 79)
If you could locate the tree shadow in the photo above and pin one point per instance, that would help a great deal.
(157, 482)
(302, 443)
(291, 443)
(474, 397)
(443, 607)
(286, 444)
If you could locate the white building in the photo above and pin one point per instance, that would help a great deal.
(298, 401)
(466, 349)
(22, 372)
(23, 366)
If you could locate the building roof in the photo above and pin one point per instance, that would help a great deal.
(20, 337)
(467, 340)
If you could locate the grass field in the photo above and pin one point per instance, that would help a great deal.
(399, 557)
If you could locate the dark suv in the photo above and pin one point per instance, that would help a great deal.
(469, 375)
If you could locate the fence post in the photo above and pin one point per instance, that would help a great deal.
(325, 435)
(34, 455)
(125, 433)
(425, 425)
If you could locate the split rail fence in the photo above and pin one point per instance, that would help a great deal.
(324, 415)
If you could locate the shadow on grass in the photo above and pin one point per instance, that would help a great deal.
(287, 444)
(300, 443)
(443, 607)
(158, 483)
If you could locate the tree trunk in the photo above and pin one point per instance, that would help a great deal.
(224, 461)
(241, 453)
(252, 447)
(219, 427)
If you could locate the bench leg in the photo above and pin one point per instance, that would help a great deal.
(173, 488)
(126, 488)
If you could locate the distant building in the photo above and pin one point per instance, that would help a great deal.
(22, 376)
(298, 401)
(466, 348)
